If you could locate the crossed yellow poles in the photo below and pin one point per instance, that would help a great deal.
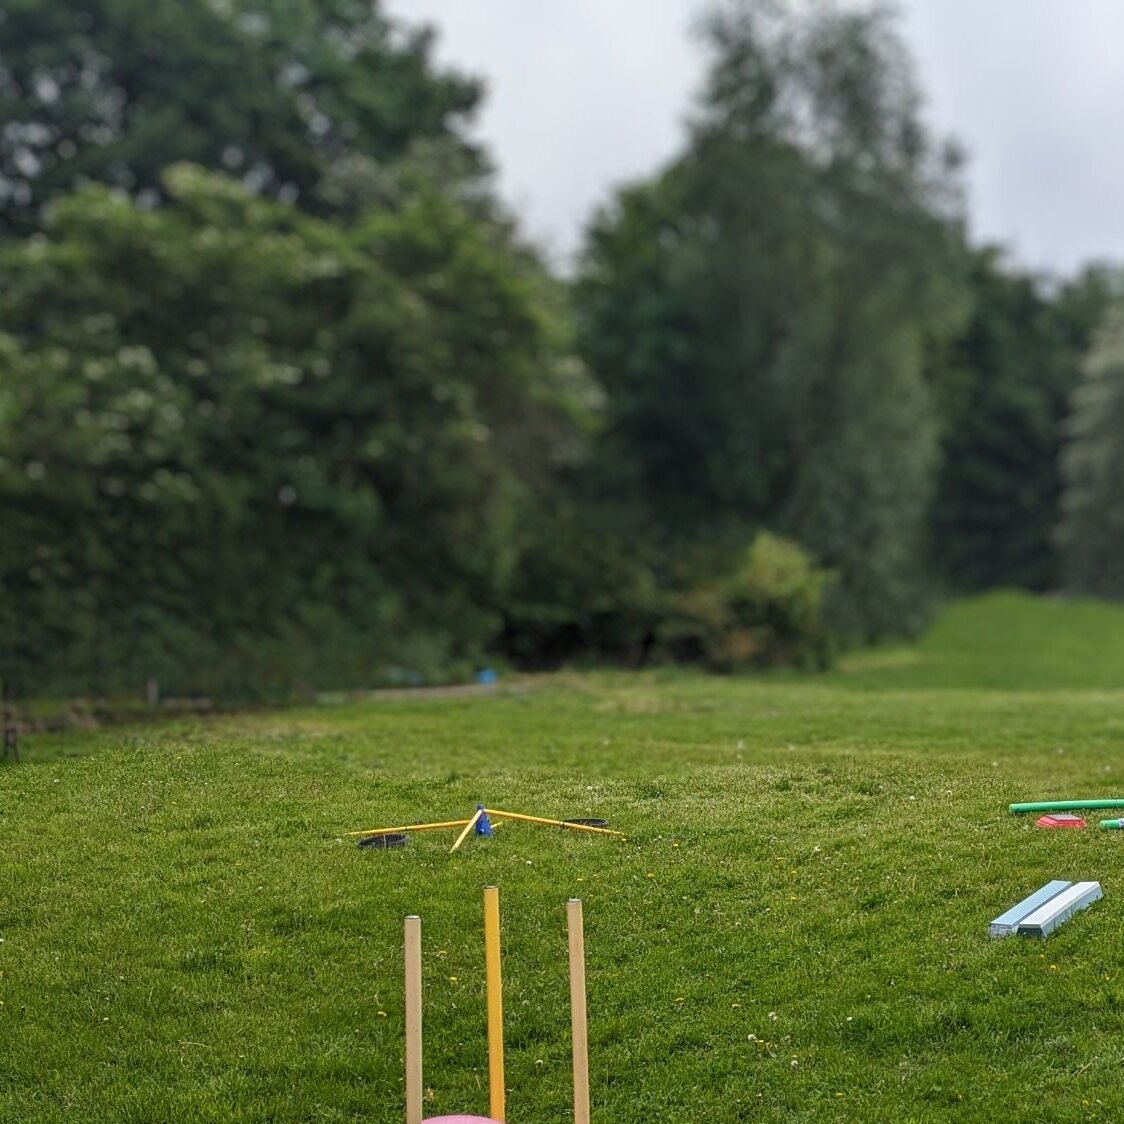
(469, 824)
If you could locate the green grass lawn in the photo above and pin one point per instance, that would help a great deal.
(796, 928)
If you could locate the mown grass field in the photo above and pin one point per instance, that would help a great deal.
(796, 928)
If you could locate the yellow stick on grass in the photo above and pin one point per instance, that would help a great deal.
(467, 830)
(552, 823)
(409, 827)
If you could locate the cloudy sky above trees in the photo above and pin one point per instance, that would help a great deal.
(586, 94)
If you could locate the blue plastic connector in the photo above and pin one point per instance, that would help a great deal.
(483, 824)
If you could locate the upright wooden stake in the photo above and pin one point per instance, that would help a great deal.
(495, 1001)
(579, 1028)
(413, 1021)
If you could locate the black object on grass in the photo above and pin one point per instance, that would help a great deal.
(590, 823)
(382, 842)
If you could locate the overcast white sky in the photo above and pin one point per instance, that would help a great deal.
(585, 94)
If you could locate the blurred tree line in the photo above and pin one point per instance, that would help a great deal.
(286, 400)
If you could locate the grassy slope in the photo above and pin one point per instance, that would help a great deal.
(1011, 641)
(796, 928)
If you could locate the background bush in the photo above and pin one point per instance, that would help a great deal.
(287, 403)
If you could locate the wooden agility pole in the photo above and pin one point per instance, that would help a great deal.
(409, 827)
(467, 830)
(551, 823)
(494, 984)
(413, 1021)
(579, 1028)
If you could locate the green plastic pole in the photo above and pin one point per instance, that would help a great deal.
(1066, 805)
(1112, 825)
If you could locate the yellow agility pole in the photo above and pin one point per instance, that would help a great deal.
(552, 823)
(495, 1002)
(467, 830)
(413, 1021)
(409, 827)
(578, 1027)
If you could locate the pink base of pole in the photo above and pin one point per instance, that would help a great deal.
(460, 1120)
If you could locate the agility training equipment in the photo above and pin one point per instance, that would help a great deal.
(494, 1004)
(1007, 923)
(1066, 805)
(493, 989)
(1041, 913)
(1046, 918)
(481, 823)
(461, 1120)
(1062, 819)
(388, 842)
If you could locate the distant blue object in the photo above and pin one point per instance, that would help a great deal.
(487, 675)
(483, 824)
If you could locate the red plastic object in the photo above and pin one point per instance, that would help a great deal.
(1059, 819)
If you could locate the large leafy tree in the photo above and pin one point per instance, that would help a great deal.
(1092, 529)
(243, 446)
(762, 312)
(1013, 372)
(297, 99)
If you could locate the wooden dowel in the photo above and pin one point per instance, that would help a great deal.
(494, 1002)
(552, 823)
(578, 1025)
(467, 830)
(409, 827)
(413, 1021)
